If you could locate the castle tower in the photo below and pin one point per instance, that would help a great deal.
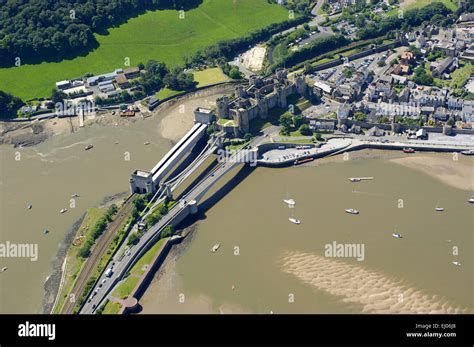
(239, 91)
(281, 96)
(300, 84)
(243, 121)
(222, 105)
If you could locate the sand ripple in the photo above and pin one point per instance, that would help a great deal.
(376, 292)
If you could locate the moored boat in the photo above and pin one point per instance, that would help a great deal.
(352, 211)
(289, 201)
(468, 152)
(408, 150)
(456, 263)
(63, 210)
(471, 200)
(397, 236)
(88, 147)
(294, 220)
(215, 247)
(439, 209)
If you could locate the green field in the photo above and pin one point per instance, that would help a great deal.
(159, 35)
(410, 4)
(126, 287)
(138, 268)
(210, 76)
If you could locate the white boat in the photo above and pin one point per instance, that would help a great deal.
(358, 179)
(397, 236)
(215, 247)
(4, 269)
(30, 207)
(468, 152)
(45, 231)
(289, 201)
(294, 220)
(63, 210)
(146, 143)
(439, 209)
(456, 263)
(75, 195)
(88, 147)
(471, 200)
(352, 211)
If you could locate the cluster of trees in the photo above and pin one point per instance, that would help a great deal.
(9, 105)
(38, 29)
(317, 47)
(97, 230)
(291, 122)
(231, 71)
(433, 12)
(299, 6)
(422, 77)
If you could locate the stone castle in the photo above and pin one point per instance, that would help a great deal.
(256, 100)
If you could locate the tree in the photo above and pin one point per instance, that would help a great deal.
(359, 116)
(286, 120)
(450, 121)
(298, 121)
(58, 96)
(9, 105)
(133, 239)
(305, 130)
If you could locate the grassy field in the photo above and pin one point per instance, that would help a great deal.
(410, 4)
(74, 262)
(159, 35)
(112, 307)
(210, 76)
(126, 287)
(147, 258)
(167, 93)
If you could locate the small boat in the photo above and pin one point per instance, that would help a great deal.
(456, 263)
(302, 161)
(358, 179)
(352, 211)
(408, 150)
(4, 269)
(30, 207)
(471, 200)
(289, 201)
(88, 147)
(46, 231)
(63, 210)
(397, 236)
(469, 152)
(116, 142)
(439, 209)
(146, 143)
(294, 220)
(215, 247)
(75, 195)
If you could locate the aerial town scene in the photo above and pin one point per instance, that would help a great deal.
(236, 156)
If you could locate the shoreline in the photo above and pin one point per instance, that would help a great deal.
(52, 286)
(171, 127)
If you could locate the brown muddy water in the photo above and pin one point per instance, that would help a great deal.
(267, 264)
(46, 176)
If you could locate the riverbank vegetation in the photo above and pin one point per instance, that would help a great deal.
(73, 262)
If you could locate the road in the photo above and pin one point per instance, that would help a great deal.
(126, 257)
(99, 249)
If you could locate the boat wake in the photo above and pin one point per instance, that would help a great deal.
(376, 292)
